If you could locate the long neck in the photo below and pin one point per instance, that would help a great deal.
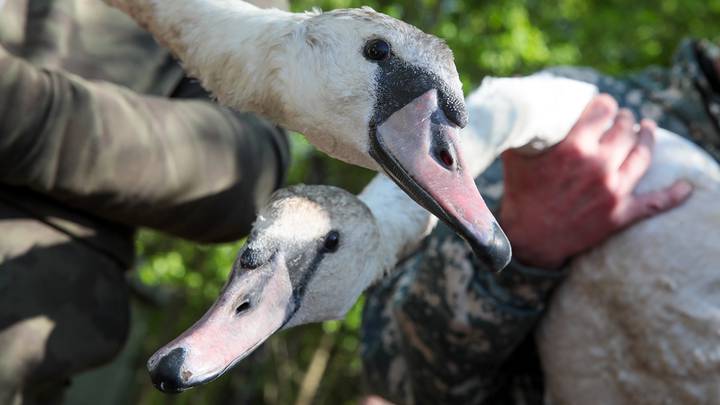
(401, 221)
(233, 47)
(530, 114)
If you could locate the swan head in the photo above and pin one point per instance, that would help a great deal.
(387, 96)
(311, 253)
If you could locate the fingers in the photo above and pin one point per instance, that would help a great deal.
(594, 120)
(638, 160)
(647, 205)
(620, 139)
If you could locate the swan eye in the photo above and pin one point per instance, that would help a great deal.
(242, 308)
(377, 50)
(332, 240)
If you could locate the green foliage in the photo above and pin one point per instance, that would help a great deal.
(498, 37)
(507, 37)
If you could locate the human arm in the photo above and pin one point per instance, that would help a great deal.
(444, 329)
(187, 167)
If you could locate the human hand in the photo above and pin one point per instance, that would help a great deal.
(580, 192)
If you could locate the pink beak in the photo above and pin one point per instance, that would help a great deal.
(419, 149)
(254, 304)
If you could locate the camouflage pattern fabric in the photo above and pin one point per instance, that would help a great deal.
(442, 329)
(100, 133)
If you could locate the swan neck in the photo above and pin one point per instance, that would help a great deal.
(234, 48)
(529, 114)
(402, 223)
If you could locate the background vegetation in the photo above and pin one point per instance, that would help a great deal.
(176, 281)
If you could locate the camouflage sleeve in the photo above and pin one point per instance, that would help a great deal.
(442, 329)
(174, 165)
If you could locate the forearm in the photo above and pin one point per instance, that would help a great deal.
(187, 167)
(25, 100)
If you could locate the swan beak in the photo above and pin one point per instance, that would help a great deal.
(253, 305)
(419, 149)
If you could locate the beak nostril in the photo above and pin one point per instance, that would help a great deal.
(445, 157)
(242, 307)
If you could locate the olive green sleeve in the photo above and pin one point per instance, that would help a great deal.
(187, 167)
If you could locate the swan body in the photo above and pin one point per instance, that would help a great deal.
(634, 323)
(395, 107)
(638, 319)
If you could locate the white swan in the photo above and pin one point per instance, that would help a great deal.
(363, 87)
(635, 321)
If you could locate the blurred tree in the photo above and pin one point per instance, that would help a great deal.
(319, 363)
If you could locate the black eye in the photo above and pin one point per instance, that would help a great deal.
(242, 307)
(377, 49)
(332, 240)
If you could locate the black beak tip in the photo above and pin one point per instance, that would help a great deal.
(495, 254)
(166, 375)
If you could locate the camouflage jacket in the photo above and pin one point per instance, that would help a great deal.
(101, 132)
(444, 330)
